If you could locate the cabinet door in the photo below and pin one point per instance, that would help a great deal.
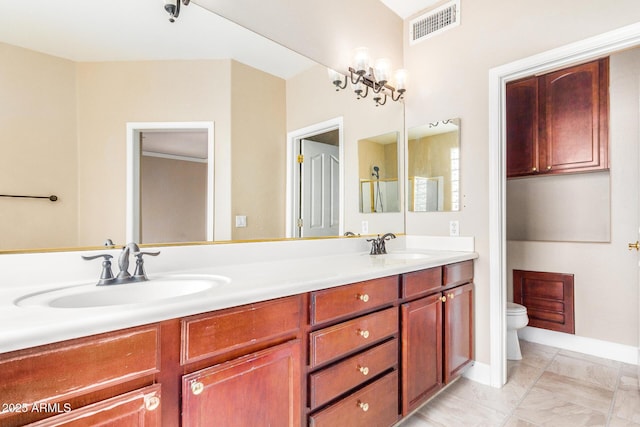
(458, 330)
(575, 115)
(421, 351)
(140, 408)
(522, 127)
(261, 389)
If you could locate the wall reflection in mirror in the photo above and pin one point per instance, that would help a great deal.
(434, 166)
(71, 101)
(378, 173)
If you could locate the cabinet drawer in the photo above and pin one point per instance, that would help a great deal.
(330, 343)
(225, 330)
(333, 381)
(56, 373)
(421, 282)
(458, 273)
(347, 300)
(376, 405)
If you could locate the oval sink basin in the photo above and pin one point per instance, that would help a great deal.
(154, 290)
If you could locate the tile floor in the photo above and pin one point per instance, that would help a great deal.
(548, 387)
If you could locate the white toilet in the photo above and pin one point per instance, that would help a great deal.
(516, 319)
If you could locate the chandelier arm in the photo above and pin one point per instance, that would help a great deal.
(383, 102)
(399, 97)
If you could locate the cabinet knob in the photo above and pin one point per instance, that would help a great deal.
(197, 387)
(363, 333)
(534, 169)
(451, 296)
(443, 298)
(364, 406)
(151, 402)
(635, 246)
(363, 297)
(364, 370)
(549, 167)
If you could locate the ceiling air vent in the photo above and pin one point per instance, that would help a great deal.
(435, 21)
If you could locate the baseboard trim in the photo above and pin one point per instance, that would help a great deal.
(591, 346)
(478, 372)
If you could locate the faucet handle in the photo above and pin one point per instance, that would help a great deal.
(139, 273)
(106, 276)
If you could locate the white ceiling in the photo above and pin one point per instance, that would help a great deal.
(406, 8)
(125, 30)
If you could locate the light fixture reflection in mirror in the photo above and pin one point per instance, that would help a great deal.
(378, 173)
(433, 166)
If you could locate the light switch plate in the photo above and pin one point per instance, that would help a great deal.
(364, 227)
(241, 221)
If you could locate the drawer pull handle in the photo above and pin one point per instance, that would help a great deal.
(443, 298)
(364, 370)
(151, 403)
(364, 406)
(363, 333)
(363, 297)
(197, 387)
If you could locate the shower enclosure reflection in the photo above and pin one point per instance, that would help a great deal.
(434, 166)
(378, 173)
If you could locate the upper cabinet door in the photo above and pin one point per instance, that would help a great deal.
(576, 109)
(558, 122)
(522, 127)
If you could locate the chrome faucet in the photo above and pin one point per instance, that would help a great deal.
(378, 246)
(139, 275)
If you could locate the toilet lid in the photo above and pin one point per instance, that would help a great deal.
(513, 308)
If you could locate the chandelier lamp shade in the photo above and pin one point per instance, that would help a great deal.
(365, 78)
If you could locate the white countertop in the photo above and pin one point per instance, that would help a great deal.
(23, 327)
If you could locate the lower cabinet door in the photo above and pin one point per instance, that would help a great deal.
(139, 408)
(376, 405)
(421, 351)
(260, 389)
(458, 330)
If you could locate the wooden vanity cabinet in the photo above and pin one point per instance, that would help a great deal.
(436, 330)
(252, 365)
(558, 122)
(110, 376)
(352, 371)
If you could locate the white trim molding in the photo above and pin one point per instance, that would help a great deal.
(582, 51)
(599, 348)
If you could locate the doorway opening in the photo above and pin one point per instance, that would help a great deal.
(170, 185)
(315, 176)
(561, 57)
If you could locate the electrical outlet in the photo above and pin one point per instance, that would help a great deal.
(454, 228)
(364, 227)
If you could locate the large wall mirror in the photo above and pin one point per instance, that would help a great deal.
(433, 166)
(72, 83)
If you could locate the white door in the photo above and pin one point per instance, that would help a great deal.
(320, 189)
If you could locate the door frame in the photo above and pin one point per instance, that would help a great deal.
(574, 53)
(134, 130)
(293, 181)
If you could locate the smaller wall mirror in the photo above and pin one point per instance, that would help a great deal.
(378, 173)
(433, 167)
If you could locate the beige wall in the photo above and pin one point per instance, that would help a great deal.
(110, 94)
(493, 33)
(258, 112)
(172, 192)
(38, 149)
